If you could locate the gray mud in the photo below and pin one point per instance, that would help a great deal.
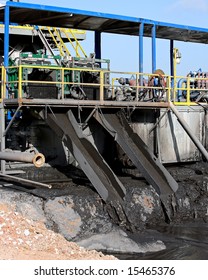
(75, 210)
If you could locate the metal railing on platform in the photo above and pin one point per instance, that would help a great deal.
(100, 84)
(3, 84)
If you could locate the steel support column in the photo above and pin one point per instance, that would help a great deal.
(6, 36)
(141, 52)
(171, 58)
(98, 44)
(153, 48)
(2, 137)
(6, 64)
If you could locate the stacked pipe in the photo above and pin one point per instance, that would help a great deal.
(37, 159)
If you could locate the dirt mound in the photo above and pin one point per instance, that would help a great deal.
(24, 239)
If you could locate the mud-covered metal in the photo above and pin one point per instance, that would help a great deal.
(21, 181)
(90, 160)
(141, 156)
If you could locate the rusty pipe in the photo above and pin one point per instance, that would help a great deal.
(37, 159)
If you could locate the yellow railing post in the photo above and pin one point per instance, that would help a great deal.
(188, 92)
(137, 89)
(101, 86)
(113, 90)
(4, 82)
(2, 79)
(77, 50)
(169, 88)
(113, 87)
(20, 82)
(62, 83)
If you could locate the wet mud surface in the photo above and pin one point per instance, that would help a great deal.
(73, 209)
(183, 242)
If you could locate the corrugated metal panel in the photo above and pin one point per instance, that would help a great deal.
(142, 123)
(175, 144)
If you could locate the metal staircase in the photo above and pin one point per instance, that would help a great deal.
(56, 38)
(74, 42)
(47, 44)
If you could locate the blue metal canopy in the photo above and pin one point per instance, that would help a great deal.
(35, 14)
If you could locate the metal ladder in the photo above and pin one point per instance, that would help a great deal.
(74, 43)
(46, 42)
(52, 39)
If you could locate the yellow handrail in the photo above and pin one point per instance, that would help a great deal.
(78, 45)
(20, 82)
(62, 47)
(164, 92)
(59, 42)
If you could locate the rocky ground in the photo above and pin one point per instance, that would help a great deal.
(25, 239)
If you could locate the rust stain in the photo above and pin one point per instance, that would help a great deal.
(148, 202)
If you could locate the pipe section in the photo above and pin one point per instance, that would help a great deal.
(22, 181)
(180, 85)
(37, 159)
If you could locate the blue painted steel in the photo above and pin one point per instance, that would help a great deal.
(104, 15)
(180, 85)
(153, 48)
(141, 51)
(171, 62)
(98, 44)
(71, 11)
(173, 25)
(6, 36)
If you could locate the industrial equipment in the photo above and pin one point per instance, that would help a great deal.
(41, 78)
(197, 82)
(73, 108)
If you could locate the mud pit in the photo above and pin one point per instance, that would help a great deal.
(74, 211)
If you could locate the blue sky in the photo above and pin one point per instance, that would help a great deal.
(123, 50)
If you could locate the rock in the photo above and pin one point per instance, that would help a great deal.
(40, 243)
(26, 204)
(62, 217)
(76, 216)
(26, 232)
(143, 206)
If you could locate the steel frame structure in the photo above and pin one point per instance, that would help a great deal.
(99, 22)
(65, 123)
